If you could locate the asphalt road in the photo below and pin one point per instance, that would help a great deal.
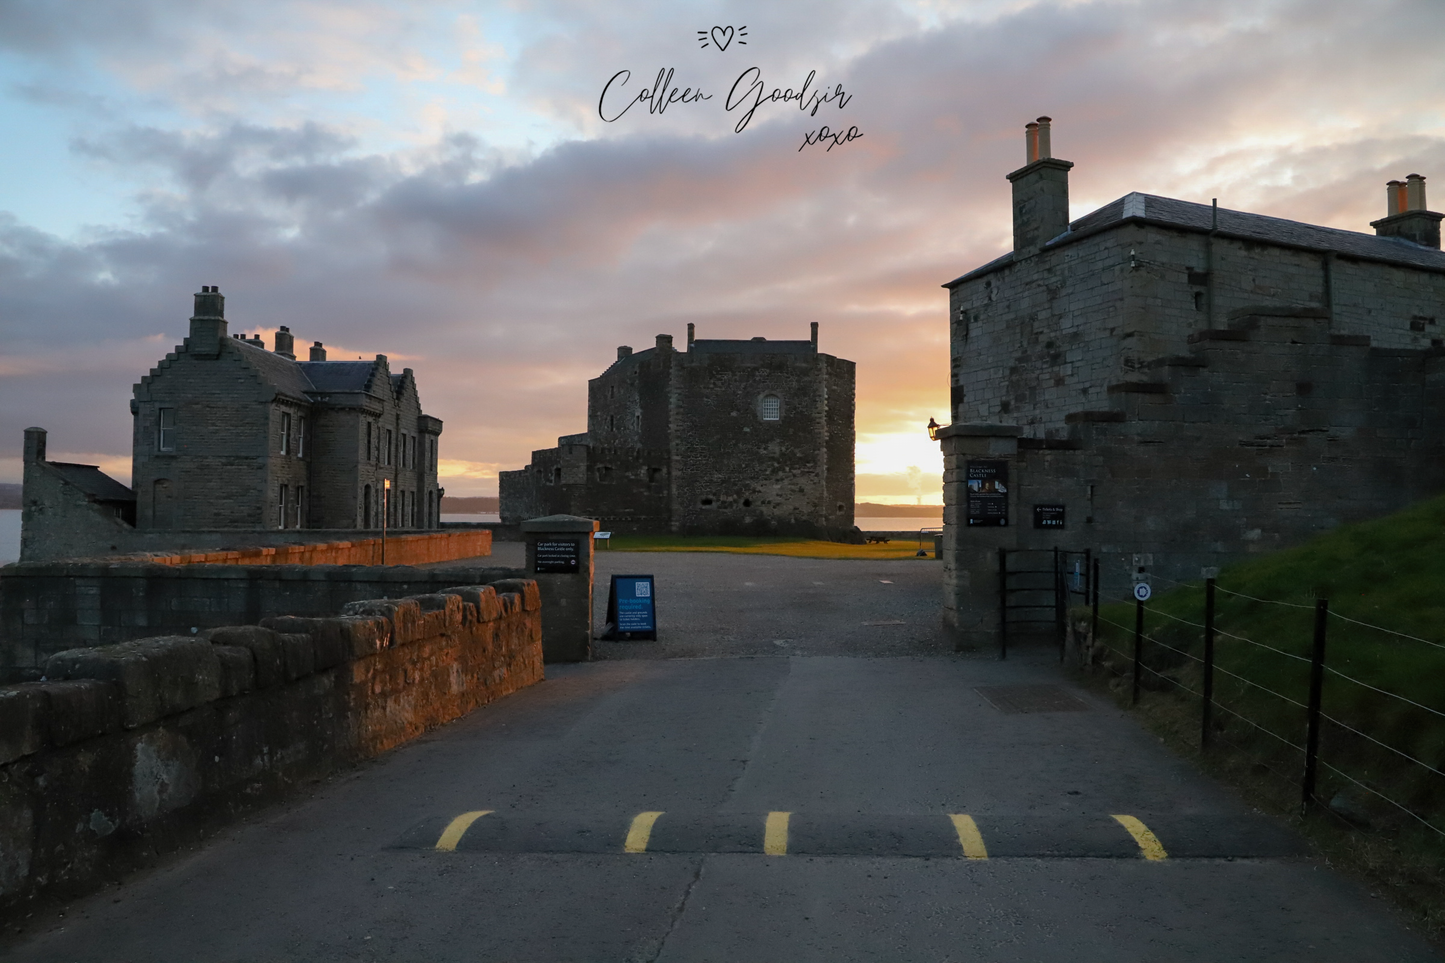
(799, 771)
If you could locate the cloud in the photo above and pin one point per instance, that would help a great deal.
(510, 274)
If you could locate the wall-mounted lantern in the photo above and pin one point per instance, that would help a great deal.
(933, 427)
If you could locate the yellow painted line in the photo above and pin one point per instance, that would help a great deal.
(640, 833)
(1149, 845)
(775, 834)
(457, 828)
(968, 836)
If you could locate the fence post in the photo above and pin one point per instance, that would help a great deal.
(1061, 602)
(1138, 645)
(1317, 684)
(1094, 623)
(1206, 720)
(1003, 603)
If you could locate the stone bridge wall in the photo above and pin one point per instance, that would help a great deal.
(128, 750)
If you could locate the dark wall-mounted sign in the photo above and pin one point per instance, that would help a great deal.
(1048, 516)
(631, 608)
(987, 493)
(558, 556)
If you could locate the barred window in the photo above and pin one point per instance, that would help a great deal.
(772, 408)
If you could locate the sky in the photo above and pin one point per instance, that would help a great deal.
(446, 183)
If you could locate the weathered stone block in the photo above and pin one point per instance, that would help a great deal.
(482, 598)
(82, 709)
(531, 594)
(268, 661)
(298, 655)
(404, 615)
(23, 710)
(238, 669)
(156, 677)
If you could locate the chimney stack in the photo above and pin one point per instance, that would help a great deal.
(1040, 192)
(1406, 214)
(208, 323)
(34, 445)
(285, 344)
(815, 336)
(623, 351)
(691, 334)
(664, 342)
(318, 351)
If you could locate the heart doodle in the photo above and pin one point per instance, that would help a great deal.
(727, 33)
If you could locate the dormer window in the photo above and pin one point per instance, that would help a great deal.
(771, 408)
(166, 429)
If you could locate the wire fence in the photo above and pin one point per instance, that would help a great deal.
(1347, 714)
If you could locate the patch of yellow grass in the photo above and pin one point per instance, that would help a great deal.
(741, 545)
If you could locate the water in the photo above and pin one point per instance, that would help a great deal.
(9, 535)
(899, 523)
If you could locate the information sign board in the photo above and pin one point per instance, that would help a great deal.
(1048, 516)
(558, 556)
(987, 493)
(631, 608)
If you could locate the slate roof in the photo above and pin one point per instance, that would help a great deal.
(327, 376)
(94, 482)
(283, 374)
(1187, 215)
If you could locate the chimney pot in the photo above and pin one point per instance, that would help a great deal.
(1031, 143)
(691, 334)
(1415, 192)
(318, 351)
(623, 351)
(1393, 198)
(815, 335)
(34, 445)
(1045, 150)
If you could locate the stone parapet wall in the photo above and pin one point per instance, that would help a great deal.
(50, 606)
(424, 549)
(127, 750)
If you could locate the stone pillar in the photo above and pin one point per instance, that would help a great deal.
(559, 557)
(970, 553)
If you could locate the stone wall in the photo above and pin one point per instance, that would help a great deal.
(47, 607)
(1045, 336)
(398, 550)
(1260, 436)
(132, 749)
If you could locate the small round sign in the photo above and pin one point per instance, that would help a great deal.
(1142, 591)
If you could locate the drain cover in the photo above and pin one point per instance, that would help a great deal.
(1015, 699)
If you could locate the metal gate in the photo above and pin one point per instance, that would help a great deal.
(1035, 587)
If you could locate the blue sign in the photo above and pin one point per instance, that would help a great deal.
(631, 608)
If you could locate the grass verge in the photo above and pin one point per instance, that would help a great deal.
(743, 545)
(1382, 743)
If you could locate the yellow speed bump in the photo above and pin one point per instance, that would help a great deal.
(1149, 845)
(457, 828)
(969, 837)
(775, 834)
(640, 832)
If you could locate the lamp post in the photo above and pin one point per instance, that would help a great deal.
(385, 510)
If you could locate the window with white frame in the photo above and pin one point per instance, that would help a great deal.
(772, 408)
(281, 508)
(285, 434)
(166, 429)
(301, 437)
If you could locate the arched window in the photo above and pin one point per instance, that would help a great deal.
(771, 408)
